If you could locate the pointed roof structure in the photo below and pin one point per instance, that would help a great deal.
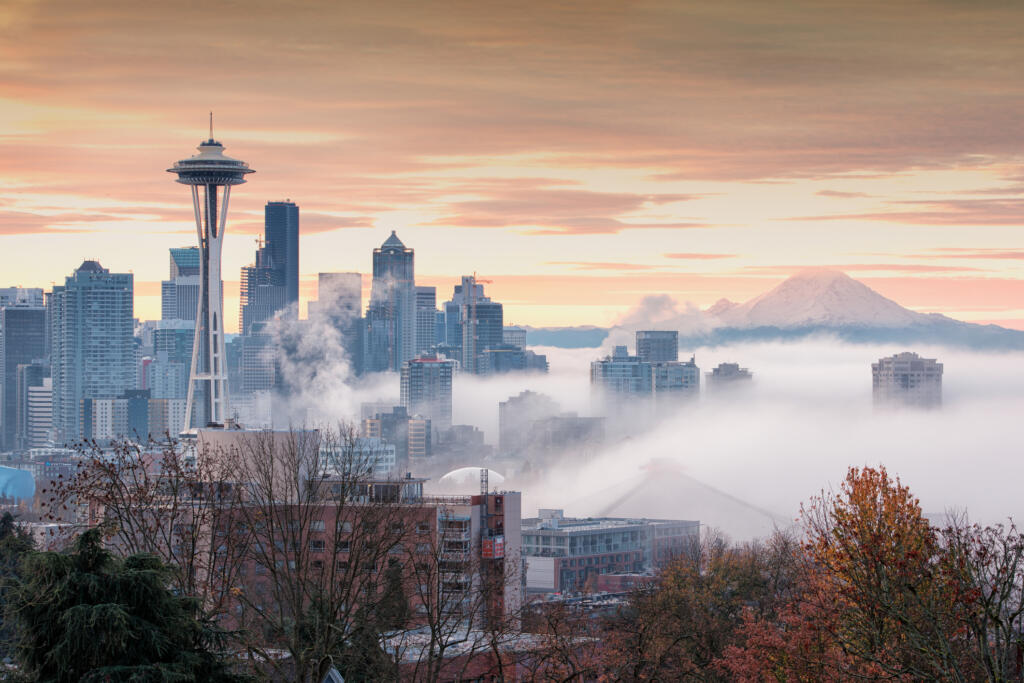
(393, 242)
(90, 266)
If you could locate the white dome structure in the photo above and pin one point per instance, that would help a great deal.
(466, 480)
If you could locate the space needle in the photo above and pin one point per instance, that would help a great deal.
(211, 171)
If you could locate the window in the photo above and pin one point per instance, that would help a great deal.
(423, 528)
(341, 567)
(396, 527)
(316, 545)
(316, 525)
(344, 546)
(346, 527)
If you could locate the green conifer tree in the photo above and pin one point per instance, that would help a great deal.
(89, 616)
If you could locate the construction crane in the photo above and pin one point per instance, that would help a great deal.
(474, 332)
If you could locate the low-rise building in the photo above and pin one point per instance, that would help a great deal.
(562, 553)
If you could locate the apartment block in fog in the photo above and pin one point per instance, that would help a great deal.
(907, 379)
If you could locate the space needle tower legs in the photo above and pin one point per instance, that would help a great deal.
(209, 171)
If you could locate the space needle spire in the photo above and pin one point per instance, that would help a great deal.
(213, 173)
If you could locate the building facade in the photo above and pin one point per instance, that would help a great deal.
(427, 389)
(281, 233)
(907, 379)
(563, 554)
(389, 337)
(657, 346)
(22, 341)
(93, 346)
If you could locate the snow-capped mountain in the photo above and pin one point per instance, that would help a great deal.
(818, 297)
(817, 301)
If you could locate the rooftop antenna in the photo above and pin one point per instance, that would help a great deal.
(211, 125)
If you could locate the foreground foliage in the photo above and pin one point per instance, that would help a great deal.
(89, 616)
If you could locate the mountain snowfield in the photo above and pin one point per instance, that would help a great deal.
(814, 301)
(814, 297)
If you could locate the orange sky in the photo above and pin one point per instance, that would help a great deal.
(579, 154)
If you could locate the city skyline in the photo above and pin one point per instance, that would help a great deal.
(599, 152)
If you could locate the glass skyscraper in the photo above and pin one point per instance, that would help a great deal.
(390, 328)
(281, 231)
(93, 347)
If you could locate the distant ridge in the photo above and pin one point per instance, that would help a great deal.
(813, 302)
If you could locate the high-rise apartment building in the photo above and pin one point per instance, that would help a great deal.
(673, 379)
(281, 231)
(427, 389)
(22, 341)
(25, 296)
(426, 319)
(93, 347)
(907, 379)
(179, 294)
(390, 326)
(657, 346)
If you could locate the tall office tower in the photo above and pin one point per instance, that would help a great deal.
(516, 416)
(339, 305)
(281, 231)
(179, 294)
(215, 173)
(35, 406)
(483, 324)
(22, 340)
(93, 347)
(622, 375)
(426, 319)
(656, 346)
(260, 293)
(427, 390)
(390, 326)
(907, 379)
(410, 434)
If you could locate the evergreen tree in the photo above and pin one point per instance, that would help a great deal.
(89, 616)
(14, 544)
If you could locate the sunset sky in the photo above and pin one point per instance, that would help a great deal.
(579, 154)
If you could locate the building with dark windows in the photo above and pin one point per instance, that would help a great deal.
(389, 336)
(93, 344)
(674, 379)
(410, 434)
(281, 234)
(508, 358)
(22, 341)
(657, 346)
